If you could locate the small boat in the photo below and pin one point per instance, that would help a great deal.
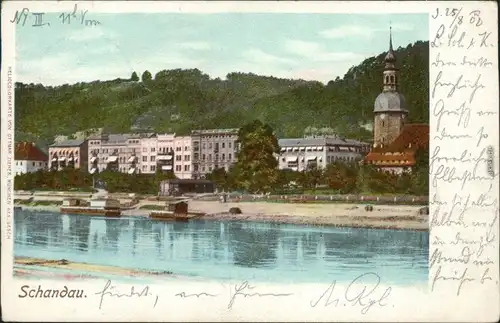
(101, 207)
(175, 211)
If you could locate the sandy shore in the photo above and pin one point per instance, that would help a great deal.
(331, 214)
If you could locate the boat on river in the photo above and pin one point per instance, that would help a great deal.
(175, 211)
(99, 206)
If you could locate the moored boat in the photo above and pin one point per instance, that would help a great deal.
(175, 211)
(101, 207)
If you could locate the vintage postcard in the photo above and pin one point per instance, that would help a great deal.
(250, 161)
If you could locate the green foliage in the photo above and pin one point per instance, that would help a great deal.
(71, 179)
(181, 100)
(134, 77)
(146, 76)
(257, 168)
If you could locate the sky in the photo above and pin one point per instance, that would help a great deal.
(307, 46)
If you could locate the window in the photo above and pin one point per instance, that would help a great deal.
(223, 156)
(178, 168)
(229, 157)
(178, 157)
(178, 148)
(144, 168)
(210, 168)
(153, 158)
(33, 163)
(144, 158)
(383, 123)
(153, 168)
(40, 164)
(223, 145)
(196, 156)
(152, 149)
(209, 157)
(186, 148)
(210, 146)
(203, 169)
(228, 145)
(186, 168)
(203, 146)
(216, 157)
(187, 157)
(203, 157)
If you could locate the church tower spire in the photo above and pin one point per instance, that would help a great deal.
(390, 70)
(390, 107)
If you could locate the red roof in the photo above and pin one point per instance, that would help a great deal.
(401, 152)
(28, 151)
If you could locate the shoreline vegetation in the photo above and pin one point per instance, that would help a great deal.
(313, 212)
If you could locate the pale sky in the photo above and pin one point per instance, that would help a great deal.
(308, 46)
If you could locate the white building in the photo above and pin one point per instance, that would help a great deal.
(29, 158)
(183, 168)
(297, 153)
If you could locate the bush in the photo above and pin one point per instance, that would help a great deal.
(235, 210)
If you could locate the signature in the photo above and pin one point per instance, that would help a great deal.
(356, 294)
(110, 290)
(246, 287)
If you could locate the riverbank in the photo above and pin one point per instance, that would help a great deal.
(399, 217)
(68, 270)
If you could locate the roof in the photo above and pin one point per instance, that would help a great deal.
(412, 137)
(322, 141)
(28, 151)
(189, 181)
(121, 137)
(401, 152)
(69, 143)
(389, 101)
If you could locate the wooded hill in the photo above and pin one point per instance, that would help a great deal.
(182, 100)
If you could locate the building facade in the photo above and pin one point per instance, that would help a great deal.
(395, 143)
(29, 158)
(68, 153)
(183, 154)
(298, 154)
(213, 148)
(115, 152)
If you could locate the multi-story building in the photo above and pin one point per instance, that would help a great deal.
(29, 158)
(69, 153)
(116, 152)
(297, 154)
(213, 148)
(164, 152)
(183, 155)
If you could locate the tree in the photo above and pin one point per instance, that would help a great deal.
(342, 177)
(146, 76)
(134, 77)
(257, 165)
(311, 177)
(420, 172)
(220, 177)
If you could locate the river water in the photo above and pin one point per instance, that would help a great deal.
(281, 253)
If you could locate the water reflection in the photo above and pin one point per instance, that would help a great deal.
(224, 249)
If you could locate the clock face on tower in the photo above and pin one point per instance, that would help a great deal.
(382, 116)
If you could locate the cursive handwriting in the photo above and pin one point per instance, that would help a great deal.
(239, 290)
(458, 84)
(460, 277)
(356, 294)
(462, 112)
(184, 295)
(110, 290)
(39, 19)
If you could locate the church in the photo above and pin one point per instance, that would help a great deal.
(395, 142)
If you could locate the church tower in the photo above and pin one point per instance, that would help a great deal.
(389, 111)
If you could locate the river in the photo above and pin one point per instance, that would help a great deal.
(267, 252)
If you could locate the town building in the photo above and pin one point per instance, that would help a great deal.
(213, 148)
(72, 153)
(29, 158)
(298, 154)
(115, 152)
(395, 142)
(183, 155)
